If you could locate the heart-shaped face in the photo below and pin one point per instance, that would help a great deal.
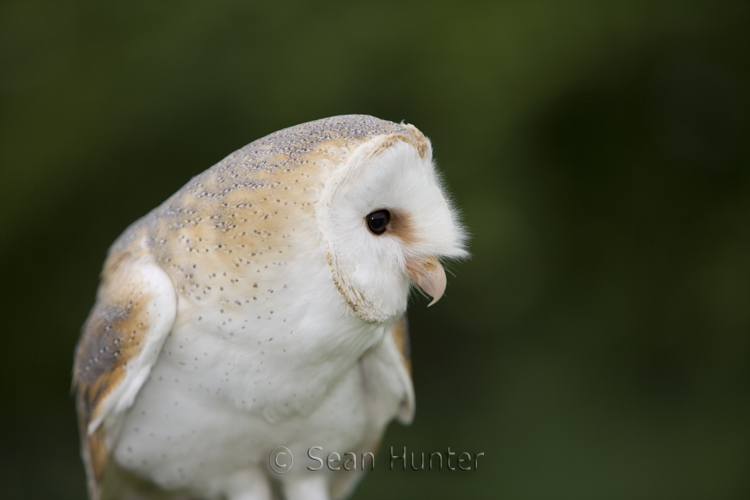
(387, 222)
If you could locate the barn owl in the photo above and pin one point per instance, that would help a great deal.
(262, 305)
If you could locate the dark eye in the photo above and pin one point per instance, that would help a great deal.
(378, 220)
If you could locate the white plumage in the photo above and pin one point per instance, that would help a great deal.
(261, 306)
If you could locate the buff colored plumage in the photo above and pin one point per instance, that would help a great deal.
(254, 309)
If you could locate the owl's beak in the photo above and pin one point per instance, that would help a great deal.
(429, 275)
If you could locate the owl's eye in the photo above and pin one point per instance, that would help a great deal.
(378, 220)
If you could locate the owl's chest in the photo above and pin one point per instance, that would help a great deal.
(263, 351)
(271, 362)
(214, 403)
(236, 381)
(270, 343)
(260, 324)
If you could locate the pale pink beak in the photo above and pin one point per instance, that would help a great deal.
(429, 275)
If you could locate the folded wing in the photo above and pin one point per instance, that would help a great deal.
(389, 394)
(122, 337)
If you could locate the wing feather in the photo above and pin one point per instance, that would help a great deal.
(389, 393)
(121, 340)
(387, 374)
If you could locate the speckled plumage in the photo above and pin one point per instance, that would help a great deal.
(236, 316)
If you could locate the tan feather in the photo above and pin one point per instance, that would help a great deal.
(213, 245)
(132, 311)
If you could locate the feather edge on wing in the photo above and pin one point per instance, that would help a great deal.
(135, 310)
(389, 393)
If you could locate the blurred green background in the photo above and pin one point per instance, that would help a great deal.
(597, 344)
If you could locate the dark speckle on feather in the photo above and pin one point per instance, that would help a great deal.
(97, 353)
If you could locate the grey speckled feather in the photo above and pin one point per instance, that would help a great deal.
(285, 149)
(238, 294)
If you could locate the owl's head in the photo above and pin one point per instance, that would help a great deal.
(388, 224)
